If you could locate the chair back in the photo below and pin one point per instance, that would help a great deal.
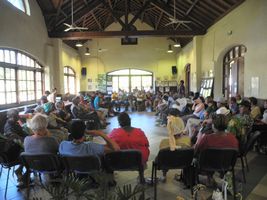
(124, 160)
(46, 162)
(215, 159)
(178, 159)
(251, 141)
(81, 164)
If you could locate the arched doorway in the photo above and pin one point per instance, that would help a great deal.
(233, 71)
(128, 79)
(187, 78)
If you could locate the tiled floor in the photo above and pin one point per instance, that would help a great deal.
(255, 189)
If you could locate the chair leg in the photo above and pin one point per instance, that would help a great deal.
(40, 178)
(28, 182)
(152, 173)
(233, 180)
(243, 169)
(246, 163)
(155, 183)
(7, 181)
(141, 175)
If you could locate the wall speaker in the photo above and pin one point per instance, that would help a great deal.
(174, 70)
(84, 71)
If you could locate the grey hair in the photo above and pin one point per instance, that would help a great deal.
(12, 113)
(39, 122)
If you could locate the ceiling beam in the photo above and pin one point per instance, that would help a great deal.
(113, 14)
(96, 20)
(167, 10)
(80, 13)
(191, 7)
(159, 19)
(142, 9)
(107, 34)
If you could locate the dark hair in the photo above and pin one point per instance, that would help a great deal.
(47, 92)
(245, 103)
(124, 119)
(77, 129)
(253, 100)
(181, 81)
(202, 99)
(219, 121)
(209, 99)
(174, 112)
(233, 99)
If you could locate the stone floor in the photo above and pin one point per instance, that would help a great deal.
(254, 189)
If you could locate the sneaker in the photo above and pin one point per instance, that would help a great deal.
(163, 125)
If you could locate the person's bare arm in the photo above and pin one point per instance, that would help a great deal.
(110, 146)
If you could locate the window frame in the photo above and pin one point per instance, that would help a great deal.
(68, 75)
(26, 7)
(36, 68)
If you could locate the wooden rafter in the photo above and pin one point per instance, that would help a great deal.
(142, 9)
(159, 19)
(191, 8)
(96, 20)
(104, 34)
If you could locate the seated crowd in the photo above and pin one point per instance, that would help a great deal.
(208, 123)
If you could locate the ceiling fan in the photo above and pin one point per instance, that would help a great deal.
(174, 20)
(73, 26)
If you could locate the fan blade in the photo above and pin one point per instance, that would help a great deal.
(81, 28)
(67, 29)
(184, 22)
(68, 25)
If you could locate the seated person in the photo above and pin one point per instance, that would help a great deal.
(79, 112)
(175, 127)
(219, 138)
(241, 123)
(255, 109)
(40, 141)
(78, 146)
(128, 137)
(198, 108)
(63, 116)
(233, 106)
(12, 128)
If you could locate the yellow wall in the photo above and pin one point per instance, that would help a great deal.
(248, 24)
(70, 57)
(150, 54)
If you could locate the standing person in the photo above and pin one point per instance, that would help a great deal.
(52, 96)
(128, 137)
(181, 89)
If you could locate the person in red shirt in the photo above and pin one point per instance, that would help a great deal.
(220, 138)
(128, 137)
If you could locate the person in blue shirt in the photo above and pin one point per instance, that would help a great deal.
(79, 147)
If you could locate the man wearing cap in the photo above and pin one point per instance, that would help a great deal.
(79, 147)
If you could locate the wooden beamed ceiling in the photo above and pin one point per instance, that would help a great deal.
(97, 15)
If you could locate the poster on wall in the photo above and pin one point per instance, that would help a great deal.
(102, 83)
(254, 86)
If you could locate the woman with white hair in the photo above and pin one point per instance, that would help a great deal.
(40, 141)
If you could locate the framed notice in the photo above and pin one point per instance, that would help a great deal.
(206, 87)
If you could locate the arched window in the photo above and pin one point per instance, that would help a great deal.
(233, 71)
(22, 5)
(69, 80)
(21, 79)
(128, 79)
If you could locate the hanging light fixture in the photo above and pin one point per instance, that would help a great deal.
(78, 44)
(177, 44)
(170, 49)
(87, 52)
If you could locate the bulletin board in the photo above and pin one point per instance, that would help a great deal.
(206, 87)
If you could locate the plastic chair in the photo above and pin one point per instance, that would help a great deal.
(81, 164)
(47, 163)
(166, 160)
(247, 147)
(7, 161)
(218, 160)
(125, 160)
